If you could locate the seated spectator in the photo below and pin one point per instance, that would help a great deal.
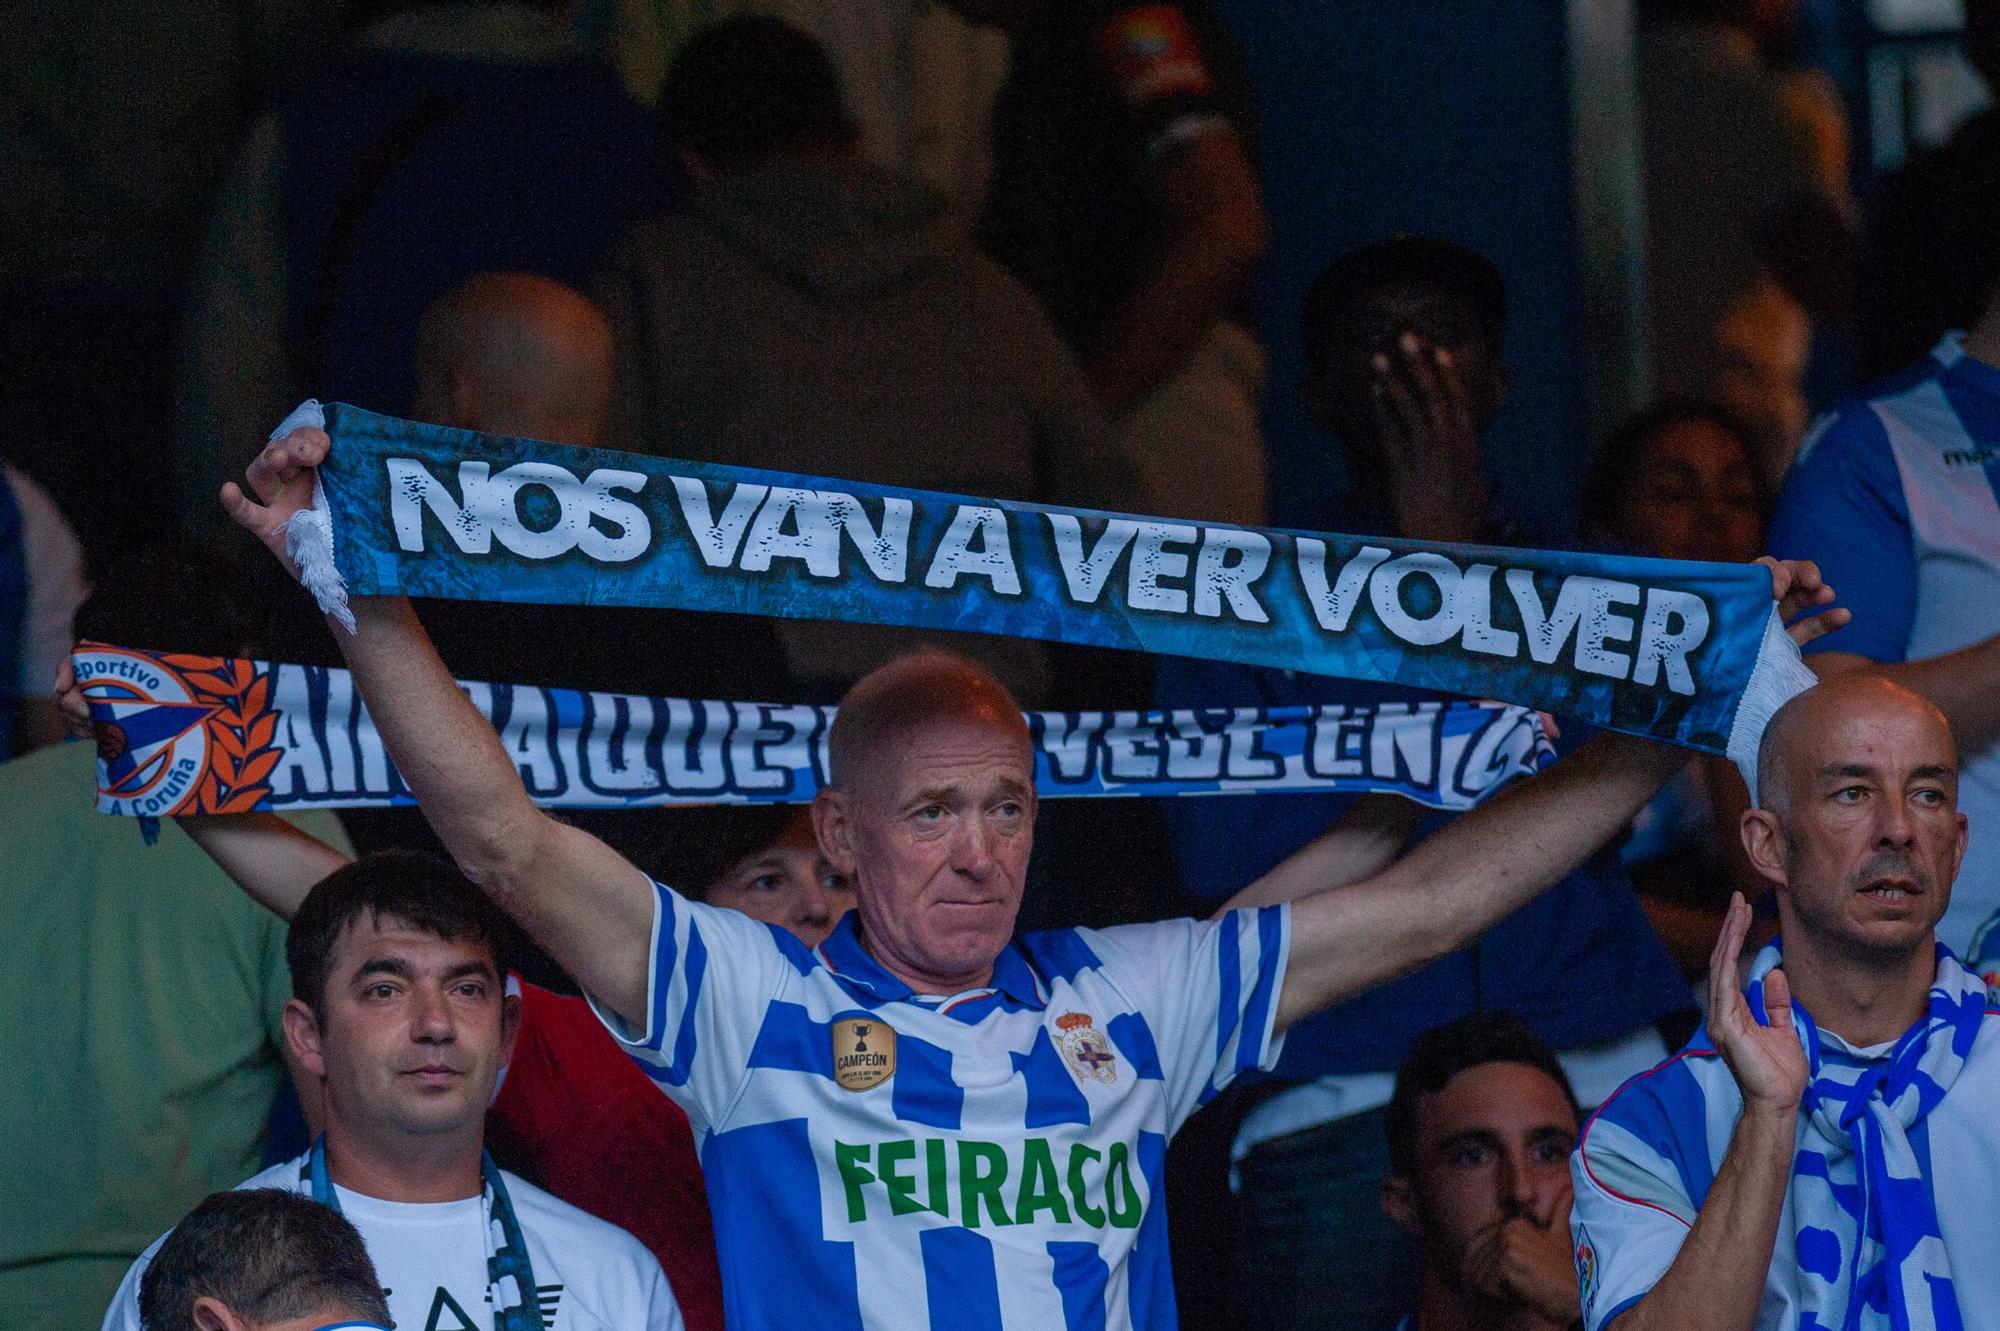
(41, 587)
(143, 992)
(262, 1259)
(1820, 1155)
(441, 140)
(1124, 196)
(1893, 497)
(1677, 481)
(810, 312)
(1480, 1129)
(573, 1112)
(1404, 342)
(400, 1021)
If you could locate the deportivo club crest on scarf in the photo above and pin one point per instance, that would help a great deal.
(1086, 1051)
(864, 1053)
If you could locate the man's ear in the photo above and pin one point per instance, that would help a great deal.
(510, 1023)
(302, 1037)
(1763, 834)
(212, 1314)
(1399, 1203)
(833, 828)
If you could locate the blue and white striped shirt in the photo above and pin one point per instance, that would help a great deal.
(999, 1164)
(1649, 1156)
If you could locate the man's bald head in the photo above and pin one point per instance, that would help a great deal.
(516, 354)
(1788, 738)
(912, 691)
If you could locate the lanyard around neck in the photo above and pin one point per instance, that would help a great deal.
(508, 1258)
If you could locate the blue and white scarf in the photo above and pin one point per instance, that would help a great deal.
(1867, 1246)
(1689, 653)
(183, 735)
(510, 1274)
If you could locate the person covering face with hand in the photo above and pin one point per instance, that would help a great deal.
(1480, 1130)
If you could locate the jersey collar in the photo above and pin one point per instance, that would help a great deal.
(846, 957)
(1968, 370)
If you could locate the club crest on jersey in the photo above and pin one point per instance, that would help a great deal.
(1085, 1049)
(864, 1052)
(1586, 1271)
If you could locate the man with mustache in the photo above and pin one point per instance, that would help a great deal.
(1821, 1154)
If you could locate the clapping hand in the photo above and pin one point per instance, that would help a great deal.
(1767, 1061)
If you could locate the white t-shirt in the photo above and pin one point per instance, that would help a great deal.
(431, 1258)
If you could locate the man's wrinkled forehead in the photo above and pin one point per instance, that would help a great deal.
(953, 745)
(1840, 725)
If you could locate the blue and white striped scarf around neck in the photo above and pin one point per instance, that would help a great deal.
(1868, 1249)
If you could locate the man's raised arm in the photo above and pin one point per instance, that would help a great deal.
(1494, 860)
(580, 899)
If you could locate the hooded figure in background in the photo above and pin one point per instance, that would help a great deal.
(809, 311)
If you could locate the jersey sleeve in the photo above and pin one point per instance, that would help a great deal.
(1843, 508)
(1627, 1222)
(712, 975)
(1151, 55)
(1207, 991)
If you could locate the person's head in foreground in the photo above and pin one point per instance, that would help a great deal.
(931, 816)
(261, 1260)
(1678, 481)
(399, 1007)
(1858, 828)
(760, 860)
(1480, 1129)
(1363, 305)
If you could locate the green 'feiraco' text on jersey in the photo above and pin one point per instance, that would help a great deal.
(991, 1161)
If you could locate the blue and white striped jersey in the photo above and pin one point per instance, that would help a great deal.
(1896, 495)
(1650, 1154)
(876, 1158)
